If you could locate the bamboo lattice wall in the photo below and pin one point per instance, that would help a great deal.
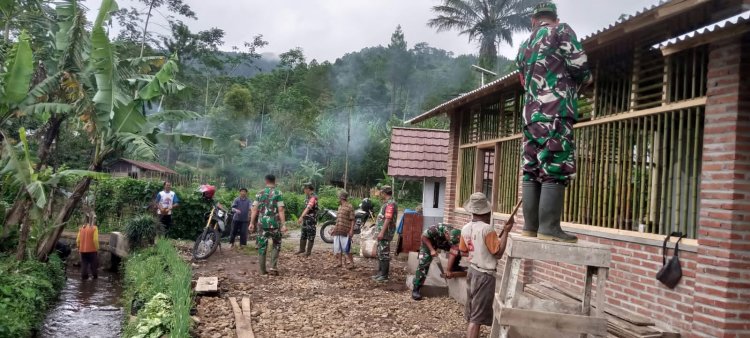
(638, 159)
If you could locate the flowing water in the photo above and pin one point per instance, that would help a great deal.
(89, 308)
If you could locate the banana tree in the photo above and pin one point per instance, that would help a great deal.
(117, 122)
(35, 186)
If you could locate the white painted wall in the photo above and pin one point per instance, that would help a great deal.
(428, 195)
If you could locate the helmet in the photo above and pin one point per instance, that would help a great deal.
(365, 205)
(207, 191)
(455, 236)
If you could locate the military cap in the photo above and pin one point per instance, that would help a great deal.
(545, 7)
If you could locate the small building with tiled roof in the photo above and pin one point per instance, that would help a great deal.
(422, 155)
(138, 169)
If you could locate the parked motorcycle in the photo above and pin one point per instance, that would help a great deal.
(361, 215)
(216, 221)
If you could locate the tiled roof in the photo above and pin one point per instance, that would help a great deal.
(418, 153)
(149, 166)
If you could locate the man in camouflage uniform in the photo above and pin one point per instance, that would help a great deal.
(553, 68)
(437, 237)
(386, 227)
(308, 220)
(269, 205)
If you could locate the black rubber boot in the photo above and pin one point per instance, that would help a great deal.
(309, 248)
(302, 243)
(415, 295)
(380, 271)
(386, 269)
(550, 211)
(262, 263)
(531, 193)
(274, 261)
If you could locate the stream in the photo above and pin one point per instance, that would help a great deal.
(88, 308)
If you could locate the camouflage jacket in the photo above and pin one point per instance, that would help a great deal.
(436, 235)
(268, 202)
(312, 202)
(389, 210)
(552, 66)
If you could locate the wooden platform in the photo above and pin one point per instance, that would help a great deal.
(517, 312)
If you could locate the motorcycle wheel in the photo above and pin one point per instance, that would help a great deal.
(325, 231)
(206, 243)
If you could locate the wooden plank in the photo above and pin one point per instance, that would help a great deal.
(246, 310)
(241, 323)
(589, 280)
(526, 302)
(600, 303)
(572, 253)
(549, 320)
(207, 285)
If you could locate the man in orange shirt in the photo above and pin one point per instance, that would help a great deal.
(88, 247)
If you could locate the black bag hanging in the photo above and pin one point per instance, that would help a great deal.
(671, 273)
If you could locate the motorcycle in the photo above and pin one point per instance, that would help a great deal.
(361, 215)
(216, 223)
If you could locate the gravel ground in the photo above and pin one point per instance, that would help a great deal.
(310, 298)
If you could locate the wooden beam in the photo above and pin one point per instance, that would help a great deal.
(242, 320)
(559, 321)
(587, 254)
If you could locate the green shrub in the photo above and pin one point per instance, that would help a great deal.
(151, 272)
(27, 288)
(141, 230)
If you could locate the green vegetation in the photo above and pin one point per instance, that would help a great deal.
(26, 290)
(157, 291)
(141, 230)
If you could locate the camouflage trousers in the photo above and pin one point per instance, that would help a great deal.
(425, 259)
(308, 229)
(384, 250)
(549, 152)
(274, 235)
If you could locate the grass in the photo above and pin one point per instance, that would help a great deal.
(27, 288)
(158, 270)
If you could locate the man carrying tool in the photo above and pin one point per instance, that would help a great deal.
(553, 68)
(269, 204)
(386, 227)
(437, 237)
(484, 247)
(308, 220)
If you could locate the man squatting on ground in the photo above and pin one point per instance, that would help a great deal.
(88, 247)
(437, 237)
(308, 220)
(553, 68)
(166, 200)
(386, 227)
(269, 205)
(241, 207)
(484, 247)
(343, 232)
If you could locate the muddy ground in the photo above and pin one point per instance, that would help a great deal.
(310, 298)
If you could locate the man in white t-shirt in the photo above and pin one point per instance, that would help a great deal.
(166, 200)
(484, 247)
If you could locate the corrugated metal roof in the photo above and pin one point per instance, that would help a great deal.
(418, 153)
(737, 20)
(149, 166)
(488, 88)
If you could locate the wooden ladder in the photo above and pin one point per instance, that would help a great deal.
(519, 315)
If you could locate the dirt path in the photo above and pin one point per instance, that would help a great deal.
(310, 299)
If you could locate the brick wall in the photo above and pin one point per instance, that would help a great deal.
(722, 286)
(713, 298)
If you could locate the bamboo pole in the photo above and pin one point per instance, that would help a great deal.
(664, 175)
(678, 210)
(692, 225)
(648, 171)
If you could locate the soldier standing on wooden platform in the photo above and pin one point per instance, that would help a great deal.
(553, 68)
(269, 205)
(437, 237)
(484, 247)
(308, 220)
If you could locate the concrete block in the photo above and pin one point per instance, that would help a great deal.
(427, 290)
(433, 275)
(457, 289)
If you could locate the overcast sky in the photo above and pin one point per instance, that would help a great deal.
(328, 29)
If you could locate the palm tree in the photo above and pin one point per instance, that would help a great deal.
(490, 22)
